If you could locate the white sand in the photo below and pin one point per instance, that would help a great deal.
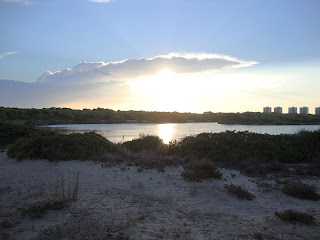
(151, 204)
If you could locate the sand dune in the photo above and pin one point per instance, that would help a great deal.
(126, 203)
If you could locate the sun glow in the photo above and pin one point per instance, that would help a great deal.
(165, 132)
(165, 90)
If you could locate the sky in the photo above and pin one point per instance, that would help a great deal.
(160, 55)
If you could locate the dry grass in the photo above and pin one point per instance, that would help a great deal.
(301, 191)
(201, 170)
(239, 191)
(295, 216)
(37, 210)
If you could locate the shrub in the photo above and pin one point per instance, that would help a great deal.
(146, 143)
(55, 146)
(292, 216)
(301, 191)
(201, 170)
(9, 132)
(37, 210)
(239, 191)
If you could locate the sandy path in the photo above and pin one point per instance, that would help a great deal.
(149, 204)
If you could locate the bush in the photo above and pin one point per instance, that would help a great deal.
(201, 170)
(9, 132)
(239, 191)
(146, 143)
(292, 216)
(54, 146)
(37, 210)
(301, 191)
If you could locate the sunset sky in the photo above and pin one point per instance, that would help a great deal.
(162, 55)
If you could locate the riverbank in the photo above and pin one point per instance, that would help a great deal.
(52, 116)
(127, 202)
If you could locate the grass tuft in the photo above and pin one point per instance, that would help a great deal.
(295, 216)
(301, 191)
(239, 191)
(201, 170)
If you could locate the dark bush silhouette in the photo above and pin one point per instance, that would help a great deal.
(9, 132)
(54, 146)
(239, 191)
(201, 170)
(301, 191)
(146, 143)
(295, 216)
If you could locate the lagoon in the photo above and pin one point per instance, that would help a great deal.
(173, 131)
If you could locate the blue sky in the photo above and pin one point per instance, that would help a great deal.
(283, 36)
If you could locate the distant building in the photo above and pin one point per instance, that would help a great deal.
(317, 110)
(278, 109)
(267, 110)
(304, 110)
(292, 110)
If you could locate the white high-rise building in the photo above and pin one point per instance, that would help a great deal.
(267, 110)
(304, 110)
(292, 110)
(278, 109)
(317, 110)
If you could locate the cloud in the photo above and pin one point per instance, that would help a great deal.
(3, 55)
(100, 1)
(29, 95)
(109, 84)
(25, 2)
(131, 68)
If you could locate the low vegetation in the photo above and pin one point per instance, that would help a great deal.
(38, 209)
(295, 216)
(239, 191)
(103, 115)
(146, 143)
(259, 153)
(301, 191)
(199, 170)
(50, 145)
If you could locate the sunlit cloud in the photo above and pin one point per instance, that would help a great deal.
(25, 2)
(132, 68)
(3, 55)
(172, 82)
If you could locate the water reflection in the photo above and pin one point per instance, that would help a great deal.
(165, 132)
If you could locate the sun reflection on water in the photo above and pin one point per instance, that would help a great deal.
(165, 132)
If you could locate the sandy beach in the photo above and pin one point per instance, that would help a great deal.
(125, 202)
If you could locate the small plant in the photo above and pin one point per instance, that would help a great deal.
(201, 170)
(295, 216)
(66, 191)
(301, 191)
(37, 210)
(239, 191)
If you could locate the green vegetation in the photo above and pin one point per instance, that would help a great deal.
(239, 191)
(199, 170)
(100, 115)
(51, 145)
(295, 216)
(234, 147)
(9, 132)
(301, 191)
(227, 148)
(37, 210)
(146, 143)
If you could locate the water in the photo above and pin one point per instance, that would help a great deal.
(174, 131)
